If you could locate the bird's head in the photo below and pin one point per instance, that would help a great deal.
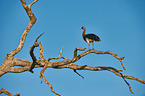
(83, 28)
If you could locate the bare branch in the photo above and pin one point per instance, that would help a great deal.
(63, 64)
(59, 57)
(33, 3)
(31, 23)
(45, 63)
(75, 58)
(7, 92)
(42, 75)
(32, 54)
(61, 51)
(78, 74)
(41, 52)
(127, 84)
(38, 37)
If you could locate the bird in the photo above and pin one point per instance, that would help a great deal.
(90, 38)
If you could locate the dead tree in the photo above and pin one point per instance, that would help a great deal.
(10, 64)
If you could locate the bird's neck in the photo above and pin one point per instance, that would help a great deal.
(84, 33)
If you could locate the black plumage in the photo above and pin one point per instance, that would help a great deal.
(93, 37)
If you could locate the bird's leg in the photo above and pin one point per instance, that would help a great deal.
(89, 45)
(93, 45)
(88, 42)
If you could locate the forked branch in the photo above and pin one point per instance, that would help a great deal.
(77, 57)
(31, 23)
(42, 59)
(67, 63)
(32, 54)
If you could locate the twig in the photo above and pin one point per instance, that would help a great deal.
(59, 57)
(2, 90)
(51, 87)
(33, 3)
(127, 83)
(78, 74)
(38, 37)
(61, 51)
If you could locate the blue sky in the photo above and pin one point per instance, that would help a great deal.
(119, 23)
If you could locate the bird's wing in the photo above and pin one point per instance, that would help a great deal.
(93, 37)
